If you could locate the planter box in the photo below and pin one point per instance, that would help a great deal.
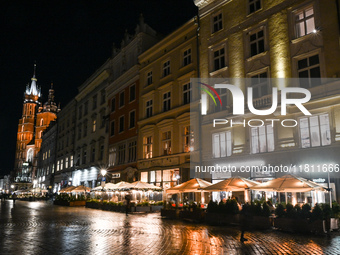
(93, 205)
(170, 213)
(300, 225)
(77, 203)
(317, 227)
(156, 208)
(192, 215)
(261, 223)
(143, 208)
(222, 219)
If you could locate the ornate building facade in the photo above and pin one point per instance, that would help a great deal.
(35, 119)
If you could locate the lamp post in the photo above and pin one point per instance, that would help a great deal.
(103, 173)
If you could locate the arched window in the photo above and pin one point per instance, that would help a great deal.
(41, 122)
(29, 155)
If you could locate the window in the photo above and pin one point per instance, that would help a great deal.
(149, 80)
(79, 132)
(71, 161)
(132, 119)
(101, 152)
(149, 108)
(85, 128)
(66, 162)
(304, 22)
(93, 154)
(132, 95)
(80, 112)
(309, 71)
(187, 57)
(166, 101)
(166, 143)
(94, 102)
(112, 156)
(132, 151)
(166, 68)
(188, 139)
(256, 42)
(187, 88)
(102, 96)
(222, 144)
(61, 164)
(84, 156)
(152, 176)
(315, 131)
(86, 107)
(121, 124)
(262, 139)
(112, 128)
(223, 93)
(147, 146)
(58, 165)
(144, 176)
(217, 22)
(259, 84)
(121, 154)
(121, 99)
(94, 124)
(219, 59)
(113, 104)
(41, 122)
(254, 5)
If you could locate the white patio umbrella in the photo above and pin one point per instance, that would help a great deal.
(236, 183)
(288, 183)
(194, 185)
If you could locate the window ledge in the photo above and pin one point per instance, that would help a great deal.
(262, 54)
(213, 73)
(305, 37)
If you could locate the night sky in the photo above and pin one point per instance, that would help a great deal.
(68, 40)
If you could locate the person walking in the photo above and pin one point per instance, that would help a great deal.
(246, 220)
(127, 200)
(14, 197)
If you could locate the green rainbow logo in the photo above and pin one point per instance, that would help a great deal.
(209, 93)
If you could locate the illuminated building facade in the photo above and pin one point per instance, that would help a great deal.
(164, 133)
(35, 119)
(260, 39)
(123, 97)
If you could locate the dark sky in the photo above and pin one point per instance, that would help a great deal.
(68, 40)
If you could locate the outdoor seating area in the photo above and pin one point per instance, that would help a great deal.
(288, 203)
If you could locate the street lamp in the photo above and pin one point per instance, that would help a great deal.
(178, 177)
(103, 173)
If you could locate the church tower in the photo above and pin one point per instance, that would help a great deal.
(35, 119)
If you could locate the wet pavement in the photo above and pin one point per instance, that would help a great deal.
(42, 228)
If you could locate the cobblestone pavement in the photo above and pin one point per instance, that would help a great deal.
(42, 228)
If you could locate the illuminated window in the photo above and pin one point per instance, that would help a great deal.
(71, 161)
(29, 155)
(219, 59)
(187, 57)
(315, 131)
(217, 23)
(94, 124)
(152, 176)
(149, 106)
(304, 22)
(259, 84)
(256, 40)
(61, 164)
(149, 80)
(112, 156)
(222, 144)
(166, 143)
(41, 122)
(309, 71)
(254, 5)
(166, 101)
(262, 139)
(187, 90)
(147, 147)
(144, 176)
(166, 68)
(58, 165)
(188, 138)
(66, 162)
